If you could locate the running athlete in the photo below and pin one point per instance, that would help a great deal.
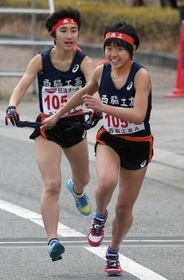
(124, 144)
(61, 71)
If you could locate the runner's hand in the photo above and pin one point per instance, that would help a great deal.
(94, 117)
(91, 122)
(12, 115)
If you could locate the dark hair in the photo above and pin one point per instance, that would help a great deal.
(122, 27)
(68, 12)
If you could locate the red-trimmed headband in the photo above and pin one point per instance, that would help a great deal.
(121, 36)
(63, 22)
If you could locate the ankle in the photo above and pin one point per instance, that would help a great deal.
(111, 251)
(53, 239)
(101, 216)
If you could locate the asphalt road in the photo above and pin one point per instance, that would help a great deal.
(154, 247)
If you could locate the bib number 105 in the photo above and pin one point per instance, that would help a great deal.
(55, 101)
(115, 122)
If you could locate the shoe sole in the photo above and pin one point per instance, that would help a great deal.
(57, 251)
(114, 274)
(91, 243)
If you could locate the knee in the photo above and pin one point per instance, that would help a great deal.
(83, 181)
(107, 185)
(122, 211)
(52, 188)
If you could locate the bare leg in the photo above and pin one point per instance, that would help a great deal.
(129, 188)
(107, 165)
(79, 162)
(48, 156)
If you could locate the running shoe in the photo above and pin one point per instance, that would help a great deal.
(113, 267)
(83, 203)
(56, 249)
(96, 232)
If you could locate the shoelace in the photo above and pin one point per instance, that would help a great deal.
(98, 226)
(83, 200)
(112, 261)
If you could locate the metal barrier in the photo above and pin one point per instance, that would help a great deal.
(27, 42)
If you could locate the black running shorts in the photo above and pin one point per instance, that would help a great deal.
(60, 133)
(134, 154)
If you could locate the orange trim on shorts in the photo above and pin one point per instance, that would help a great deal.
(148, 138)
(42, 131)
(76, 113)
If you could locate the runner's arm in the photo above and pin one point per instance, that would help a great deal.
(34, 66)
(135, 114)
(77, 99)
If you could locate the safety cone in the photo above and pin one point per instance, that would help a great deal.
(178, 91)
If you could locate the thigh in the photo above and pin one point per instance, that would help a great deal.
(78, 158)
(130, 183)
(107, 165)
(48, 155)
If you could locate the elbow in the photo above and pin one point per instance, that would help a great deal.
(137, 122)
(139, 119)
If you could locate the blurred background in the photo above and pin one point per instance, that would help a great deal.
(23, 31)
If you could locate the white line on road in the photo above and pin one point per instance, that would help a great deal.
(37, 219)
(130, 266)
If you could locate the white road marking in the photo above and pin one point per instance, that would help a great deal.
(36, 218)
(130, 266)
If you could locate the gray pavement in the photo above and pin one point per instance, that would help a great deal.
(154, 220)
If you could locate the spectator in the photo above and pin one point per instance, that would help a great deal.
(173, 3)
(138, 3)
(168, 3)
(180, 5)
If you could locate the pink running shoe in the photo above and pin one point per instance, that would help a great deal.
(96, 232)
(113, 267)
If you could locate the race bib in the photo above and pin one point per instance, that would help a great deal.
(54, 98)
(116, 126)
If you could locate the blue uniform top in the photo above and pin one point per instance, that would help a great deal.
(123, 98)
(57, 87)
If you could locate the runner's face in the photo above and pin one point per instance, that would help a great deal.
(67, 36)
(117, 56)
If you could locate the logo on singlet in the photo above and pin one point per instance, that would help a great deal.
(84, 134)
(143, 163)
(129, 85)
(75, 68)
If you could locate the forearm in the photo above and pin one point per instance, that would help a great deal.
(73, 102)
(129, 114)
(16, 98)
